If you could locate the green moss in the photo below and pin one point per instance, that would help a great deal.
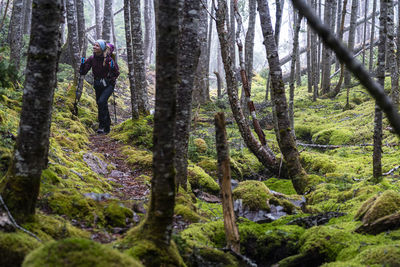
(212, 257)
(199, 179)
(267, 243)
(49, 227)
(77, 252)
(326, 241)
(138, 158)
(255, 195)
(379, 206)
(283, 186)
(313, 162)
(117, 215)
(139, 244)
(135, 132)
(209, 166)
(187, 213)
(210, 234)
(14, 247)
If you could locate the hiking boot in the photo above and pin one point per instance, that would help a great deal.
(100, 131)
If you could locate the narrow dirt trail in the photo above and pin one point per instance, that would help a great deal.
(130, 188)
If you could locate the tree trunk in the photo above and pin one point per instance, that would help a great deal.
(138, 58)
(97, 15)
(351, 39)
(314, 58)
(81, 22)
(371, 48)
(297, 23)
(201, 78)
(278, 22)
(189, 51)
(286, 141)
(394, 93)
(159, 219)
(20, 187)
(263, 153)
(326, 53)
(366, 5)
(309, 61)
(224, 178)
(249, 50)
(147, 32)
(336, 91)
(338, 27)
(27, 16)
(15, 32)
(128, 38)
(380, 76)
(73, 38)
(108, 12)
(209, 44)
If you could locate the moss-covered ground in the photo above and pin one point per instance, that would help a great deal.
(66, 218)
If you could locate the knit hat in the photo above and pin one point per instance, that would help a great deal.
(111, 46)
(102, 44)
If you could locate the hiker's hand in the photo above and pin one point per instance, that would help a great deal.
(82, 60)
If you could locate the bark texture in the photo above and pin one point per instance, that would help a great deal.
(326, 53)
(201, 78)
(391, 43)
(286, 140)
(158, 222)
(380, 76)
(189, 51)
(20, 188)
(97, 15)
(138, 58)
(15, 32)
(108, 12)
(73, 37)
(352, 36)
(81, 21)
(224, 178)
(263, 153)
(128, 38)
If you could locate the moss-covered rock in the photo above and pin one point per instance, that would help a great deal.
(117, 215)
(77, 252)
(200, 144)
(138, 158)
(255, 195)
(316, 163)
(14, 247)
(283, 186)
(135, 132)
(140, 244)
(379, 206)
(384, 255)
(267, 244)
(49, 227)
(199, 179)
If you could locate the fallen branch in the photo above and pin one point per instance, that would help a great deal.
(14, 222)
(331, 146)
(391, 171)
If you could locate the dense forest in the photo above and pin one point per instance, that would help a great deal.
(199, 133)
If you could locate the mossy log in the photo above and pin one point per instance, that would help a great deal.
(389, 222)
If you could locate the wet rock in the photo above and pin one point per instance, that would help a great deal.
(95, 163)
(206, 196)
(98, 196)
(5, 224)
(314, 220)
(259, 216)
(117, 174)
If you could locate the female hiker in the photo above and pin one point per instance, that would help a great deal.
(105, 72)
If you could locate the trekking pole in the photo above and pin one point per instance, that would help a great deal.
(115, 110)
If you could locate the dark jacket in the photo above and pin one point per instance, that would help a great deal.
(95, 63)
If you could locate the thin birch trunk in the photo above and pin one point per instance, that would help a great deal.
(286, 140)
(81, 22)
(73, 38)
(108, 12)
(128, 38)
(326, 53)
(351, 39)
(188, 57)
(394, 93)
(138, 58)
(15, 32)
(98, 15)
(371, 48)
(365, 30)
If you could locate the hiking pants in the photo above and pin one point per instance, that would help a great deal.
(103, 93)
